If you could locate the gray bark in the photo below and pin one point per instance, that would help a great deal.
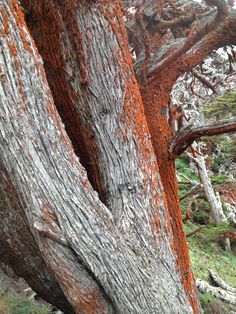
(218, 292)
(216, 210)
(220, 282)
(225, 296)
(119, 263)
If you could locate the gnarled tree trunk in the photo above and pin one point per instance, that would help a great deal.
(216, 210)
(109, 236)
(115, 256)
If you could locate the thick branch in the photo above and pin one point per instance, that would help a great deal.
(191, 133)
(198, 31)
(223, 34)
(121, 267)
(220, 282)
(205, 287)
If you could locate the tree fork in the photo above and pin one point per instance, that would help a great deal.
(61, 197)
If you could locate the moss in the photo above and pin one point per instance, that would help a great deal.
(222, 179)
(205, 253)
(212, 305)
(15, 304)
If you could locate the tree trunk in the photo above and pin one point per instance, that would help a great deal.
(216, 211)
(117, 257)
(156, 98)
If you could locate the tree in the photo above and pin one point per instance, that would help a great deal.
(102, 233)
(216, 210)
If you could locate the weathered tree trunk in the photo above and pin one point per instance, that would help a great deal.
(156, 98)
(216, 211)
(118, 257)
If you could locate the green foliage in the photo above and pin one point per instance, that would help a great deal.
(201, 216)
(222, 107)
(205, 253)
(216, 165)
(16, 304)
(206, 298)
(182, 167)
(222, 179)
(212, 305)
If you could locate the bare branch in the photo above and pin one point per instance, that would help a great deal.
(197, 32)
(220, 282)
(203, 80)
(188, 211)
(191, 133)
(205, 287)
(223, 34)
(194, 232)
(190, 192)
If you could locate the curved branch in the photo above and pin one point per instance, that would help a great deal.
(224, 34)
(205, 287)
(199, 30)
(220, 282)
(179, 21)
(191, 133)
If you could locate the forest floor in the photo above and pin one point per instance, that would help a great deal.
(207, 252)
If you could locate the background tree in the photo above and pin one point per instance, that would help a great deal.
(91, 245)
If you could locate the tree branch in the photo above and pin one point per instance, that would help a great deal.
(190, 192)
(191, 133)
(197, 32)
(205, 287)
(203, 80)
(223, 34)
(194, 232)
(220, 282)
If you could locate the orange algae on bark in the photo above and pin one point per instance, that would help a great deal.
(5, 22)
(134, 115)
(20, 21)
(83, 301)
(51, 48)
(155, 99)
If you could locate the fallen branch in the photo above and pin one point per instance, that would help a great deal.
(184, 182)
(220, 282)
(204, 287)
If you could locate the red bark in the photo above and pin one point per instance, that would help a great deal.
(155, 98)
